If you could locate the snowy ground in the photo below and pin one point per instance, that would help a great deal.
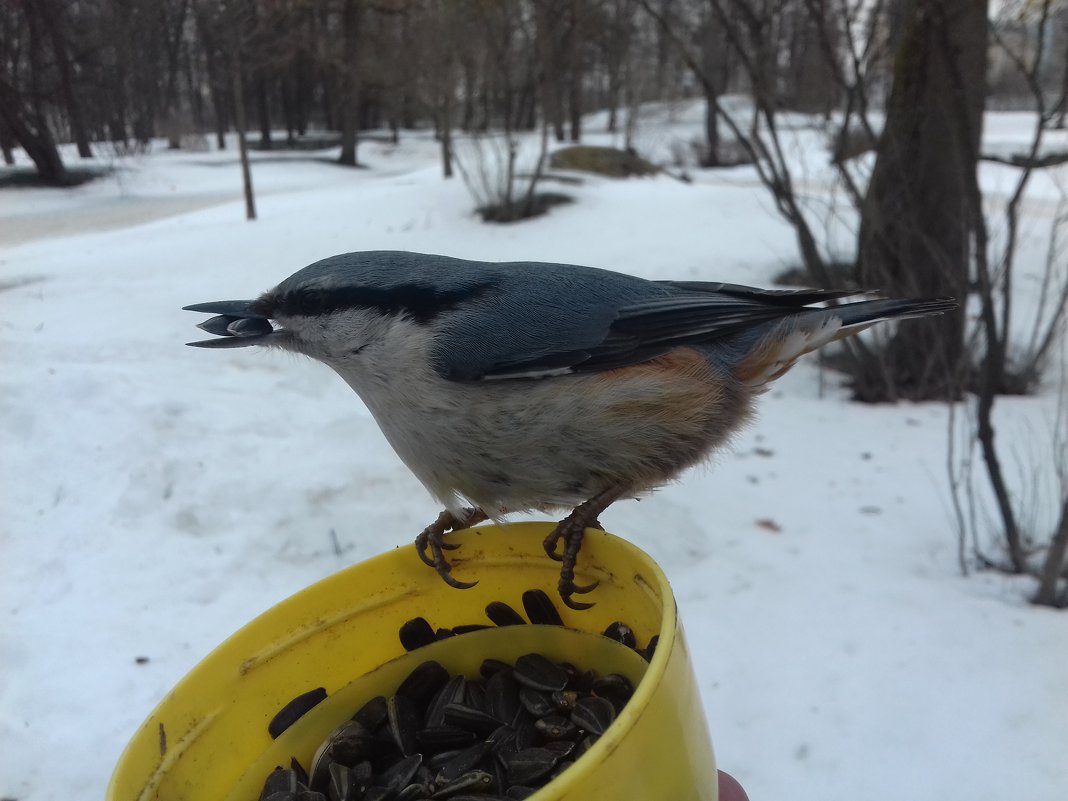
(156, 497)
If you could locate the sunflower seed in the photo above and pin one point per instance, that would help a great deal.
(621, 632)
(502, 696)
(536, 703)
(469, 627)
(442, 757)
(534, 670)
(292, 712)
(614, 687)
(372, 714)
(423, 683)
(560, 748)
(475, 781)
(529, 764)
(467, 717)
(491, 666)
(403, 723)
(281, 780)
(413, 792)
(540, 609)
(350, 743)
(416, 633)
(342, 784)
(439, 738)
(526, 735)
(650, 649)
(249, 326)
(563, 701)
(555, 727)
(453, 692)
(400, 774)
(594, 715)
(503, 615)
(475, 696)
(451, 738)
(460, 764)
(218, 325)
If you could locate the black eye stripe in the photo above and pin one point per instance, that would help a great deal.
(420, 302)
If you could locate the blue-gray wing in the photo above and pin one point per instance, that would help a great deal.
(543, 320)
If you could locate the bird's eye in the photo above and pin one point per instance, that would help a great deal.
(310, 302)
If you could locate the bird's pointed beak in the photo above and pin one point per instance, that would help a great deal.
(235, 322)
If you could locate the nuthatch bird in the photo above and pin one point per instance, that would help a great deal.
(531, 386)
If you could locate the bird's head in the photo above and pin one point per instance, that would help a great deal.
(339, 308)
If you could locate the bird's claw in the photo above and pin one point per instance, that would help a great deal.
(550, 543)
(432, 538)
(578, 606)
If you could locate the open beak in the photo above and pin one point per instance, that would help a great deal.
(236, 326)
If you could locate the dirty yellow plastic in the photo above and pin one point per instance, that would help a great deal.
(208, 740)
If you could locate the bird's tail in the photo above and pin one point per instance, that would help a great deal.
(869, 312)
(792, 337)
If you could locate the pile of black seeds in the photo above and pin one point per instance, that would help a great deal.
(540, 609)
(502, 736)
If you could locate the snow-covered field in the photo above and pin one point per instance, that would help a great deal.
(157, 497)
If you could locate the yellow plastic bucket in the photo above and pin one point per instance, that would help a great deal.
(208, 739)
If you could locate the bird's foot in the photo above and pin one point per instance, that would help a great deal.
(432, 538)
(571, 530)
(551, 542)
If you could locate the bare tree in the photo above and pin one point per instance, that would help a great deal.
(1007, 365)
(24, 92)
(916, 236)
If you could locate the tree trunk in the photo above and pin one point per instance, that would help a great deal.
(916, 229)
(575, 67)
(28, 122)
(7, 142)
(241, 124)
(711, 156)
(446, 133)
(206, 28)
(263, 109)
(1054, 564)
(348, 101)
(51, 18)
(29, 130)
(713, 79)
(548, 25)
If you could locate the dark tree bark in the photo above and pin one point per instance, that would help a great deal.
(7, 142)
(916, 230)
(712, 76)
(29, 128)
(242, 140)
(1054, 565)
(263, 110)
(216, 73)
(548, 17)
(575, 67)
(51, 17)
(24, 113)
(348, 101)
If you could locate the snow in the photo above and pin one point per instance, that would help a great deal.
(156, 497)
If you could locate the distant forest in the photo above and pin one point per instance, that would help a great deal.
(123, 72)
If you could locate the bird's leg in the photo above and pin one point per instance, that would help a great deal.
(433, 537)
(571, 530)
